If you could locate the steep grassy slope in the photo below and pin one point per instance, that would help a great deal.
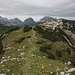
(25, 57)
(4, 29)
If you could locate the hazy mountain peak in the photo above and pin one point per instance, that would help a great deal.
(29, 21)
(0, 17)
(47, 18)
(15, 21)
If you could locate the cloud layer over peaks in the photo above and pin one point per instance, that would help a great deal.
(37, 8)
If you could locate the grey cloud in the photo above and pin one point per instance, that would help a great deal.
(22, 8)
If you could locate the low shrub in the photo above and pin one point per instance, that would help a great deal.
(59, 53)
(1, 46)
(13, 28)
(38, 29)
(27, 28)
(38, 42)
(19, 40)
(50, 56)
(44, 48)
(69, 51)
(47, 34)
(28, 36)
(73, 60)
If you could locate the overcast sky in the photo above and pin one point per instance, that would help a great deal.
(36, 9)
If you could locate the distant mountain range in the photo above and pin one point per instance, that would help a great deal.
(47, 18)
(18, 22)
(15, 21)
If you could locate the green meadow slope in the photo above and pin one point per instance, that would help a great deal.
(22, 55)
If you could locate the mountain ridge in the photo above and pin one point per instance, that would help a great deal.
(39, 49)
(31, 53)
(45, 18)
(16, 21)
